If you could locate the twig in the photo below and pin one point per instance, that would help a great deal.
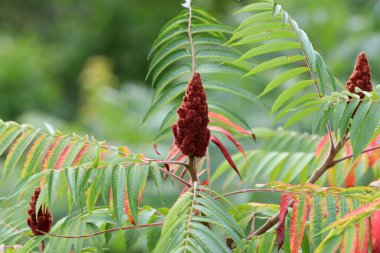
(256, 190)
(176, 177)
(247, 191)
(102, 232)
(167, 162)
(328, 163)
(350, 156)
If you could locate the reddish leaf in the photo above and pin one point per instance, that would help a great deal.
(63, 156)
(181, 158)
(103, 152)
(156, 150)
(124, 151)
(375, 154)
(375, 232)
(226, 121)
(141, 193)
(350, 178)
(50, 153)
(174, 167)
(226, 154)
(229, 136)
(127, 206)
(285, 199)
(205, 182)
(348, 243)
(173, 152)
(298, 222)
(182, 176)
(322, 145)
(357, 214)
(127, 209)
(362, 237)
(111, 198)
(48, 157)
(28, 166)
(81, 153)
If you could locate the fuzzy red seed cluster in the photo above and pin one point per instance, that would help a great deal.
(191, 134)
(361, 76)
(44, 219)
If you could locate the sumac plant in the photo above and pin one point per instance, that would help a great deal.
(322, 186)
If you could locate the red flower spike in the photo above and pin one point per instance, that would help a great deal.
(361, 76)
(219, 144)
(191, 134)
(230, 137)
(42, 221)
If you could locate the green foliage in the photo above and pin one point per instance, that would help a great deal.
(269, 31)
(24, 67)
(104, 184)
(12, 224)
(186, 227)
(348, 112)
(286, 156)
(170, 66)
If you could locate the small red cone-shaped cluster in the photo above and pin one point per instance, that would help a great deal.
(191, 134)
(361, 76)
(40, 222)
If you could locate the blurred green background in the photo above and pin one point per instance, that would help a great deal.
(81, 65)
(57, 57)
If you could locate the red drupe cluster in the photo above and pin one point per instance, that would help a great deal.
(361, 76)
(191, 134)
(42, 221)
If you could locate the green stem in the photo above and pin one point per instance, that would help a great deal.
(327, 164)
(192, 169)
(103, 232)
